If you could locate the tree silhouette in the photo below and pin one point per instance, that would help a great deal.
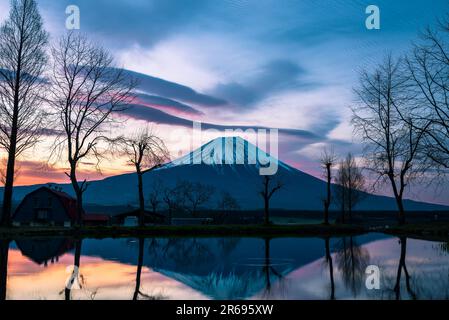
(4, 252)
(86, 92)
(270, 185)
(328, 160)
(22, 62)
(146, 152)
(393, 145)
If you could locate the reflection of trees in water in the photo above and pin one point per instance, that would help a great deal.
(270, 271)
(138, 290)
(185, 252)
(329, 263)
(352, 260)
(4, 251)
(403, 266)
(418, 284)
(75, 278)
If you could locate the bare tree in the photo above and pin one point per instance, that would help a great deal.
(270, 185)
(22, 62)
(393, 145)
(154, 198)
(196, 194)
(227, 202)
(146, 152)
(350, 185)
(428, 65)
(86, 93)
(328, 159)
(174, 199)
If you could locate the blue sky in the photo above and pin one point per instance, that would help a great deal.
(286, 64)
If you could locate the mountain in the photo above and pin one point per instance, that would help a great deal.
(229, 164)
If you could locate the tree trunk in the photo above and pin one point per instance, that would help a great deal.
(399, 202)
(267, 210)
(9, 183)
(4, 251)
(401, 214)
(79, 195)
(141, 199)
(327, 202)
(139, 268)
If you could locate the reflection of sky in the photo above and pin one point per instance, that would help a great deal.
(427, 265)
(108, 278)
(289, 64)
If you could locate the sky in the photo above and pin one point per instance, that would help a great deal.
(285, 64)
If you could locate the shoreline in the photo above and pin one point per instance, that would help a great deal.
(425, 231)
(308, 230)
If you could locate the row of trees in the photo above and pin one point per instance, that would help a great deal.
(188, 197)
(349, 181)
(401, 115)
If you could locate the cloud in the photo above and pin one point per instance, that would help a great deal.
(167, 104)
(140, 112)
(275, 76)
(172, 90)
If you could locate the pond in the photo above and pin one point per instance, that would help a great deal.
(223, 268)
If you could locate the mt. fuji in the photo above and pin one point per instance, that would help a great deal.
(229, 164)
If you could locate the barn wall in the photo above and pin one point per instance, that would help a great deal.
(26, 212)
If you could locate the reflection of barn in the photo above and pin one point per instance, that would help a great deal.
(42, 251)
(131, 217)
(47, 206)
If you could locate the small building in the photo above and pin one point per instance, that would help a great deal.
(47, 206)
(131, 218)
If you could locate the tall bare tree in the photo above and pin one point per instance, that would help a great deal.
(87, 90)
(393, 145)
(22, 61)
(270, 185)
(428, 65)
(328, 159)
(350, 185)
(146, 152)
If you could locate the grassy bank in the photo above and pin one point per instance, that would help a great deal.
(438, 231)
(318, 230)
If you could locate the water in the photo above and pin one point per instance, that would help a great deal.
(225, 268)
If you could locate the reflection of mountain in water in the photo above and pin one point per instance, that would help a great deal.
(220, 268)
